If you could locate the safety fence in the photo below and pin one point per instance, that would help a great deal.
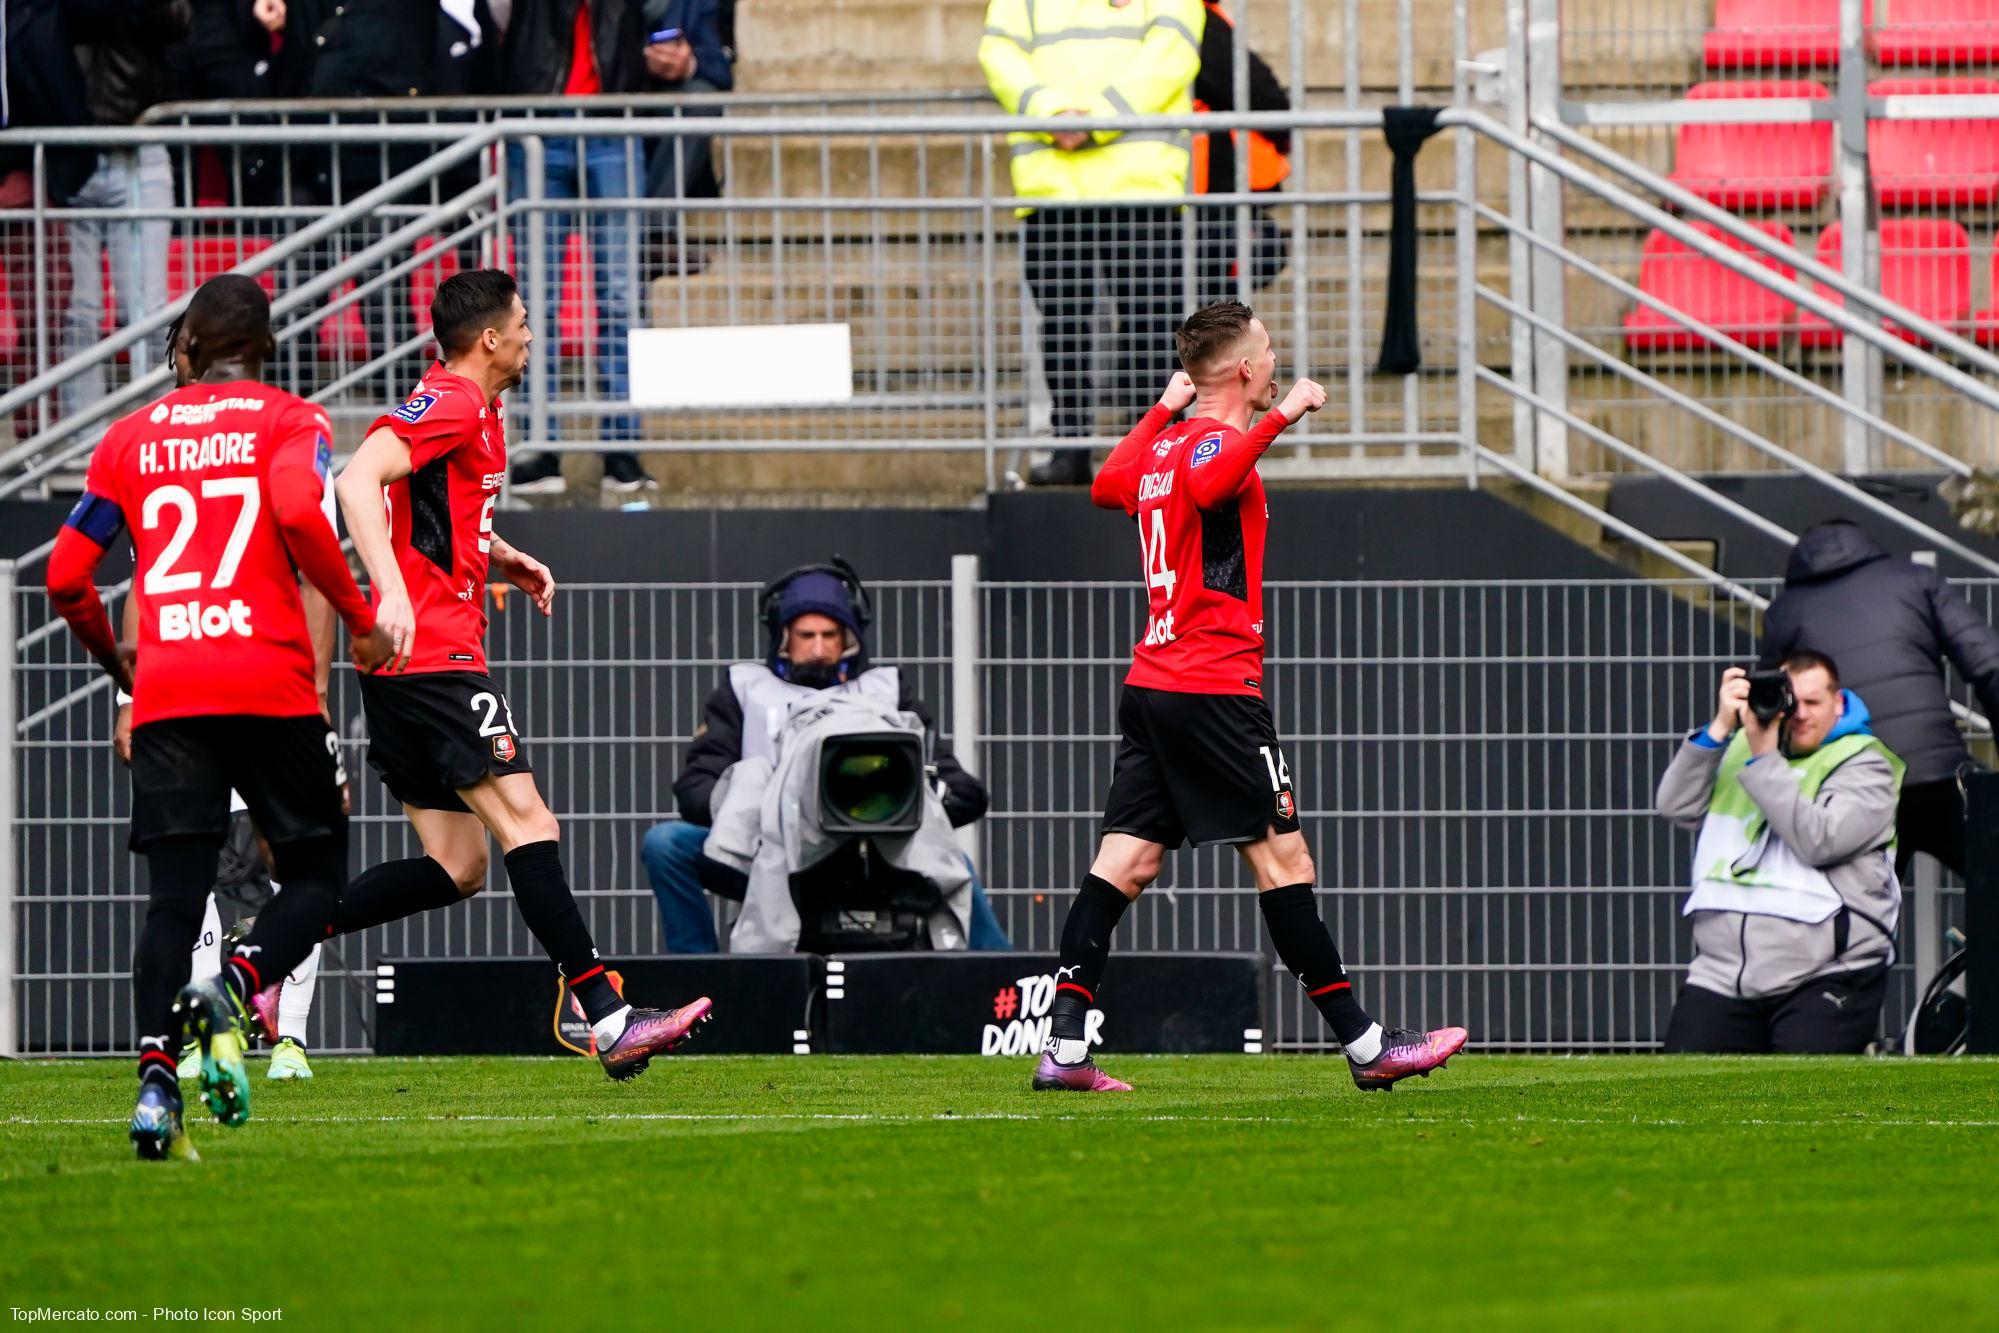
(1474, 764)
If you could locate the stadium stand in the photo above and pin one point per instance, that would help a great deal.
(1925, 265)
(1756, 166)
(1709, 292)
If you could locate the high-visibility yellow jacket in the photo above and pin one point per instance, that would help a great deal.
(1103, 58)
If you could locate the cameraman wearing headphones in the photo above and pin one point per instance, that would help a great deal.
(817, 617)
(1794, 898)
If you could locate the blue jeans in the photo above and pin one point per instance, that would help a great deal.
(672, 854)
(603, 172)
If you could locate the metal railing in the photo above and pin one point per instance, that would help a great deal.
(1474, 764)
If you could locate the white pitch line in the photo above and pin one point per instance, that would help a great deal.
(878, 1117)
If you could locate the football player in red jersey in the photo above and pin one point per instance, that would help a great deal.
(220, 483)
(1198, 758)
(418, 497)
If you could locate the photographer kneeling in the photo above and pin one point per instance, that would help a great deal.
(1794, 892)
(817, 619)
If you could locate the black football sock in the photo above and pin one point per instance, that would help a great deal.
(1086, 946)
(179, 872)
(392, 891)
(549, 908)
(312, 872)
(1307, 948)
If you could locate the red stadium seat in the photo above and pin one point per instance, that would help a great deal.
(425, 278)
(1756, 166)
(575, 302)
(1775, 34)
(1937, 32)
(1925, 265)
(1933, 163)
(576, 311)
(211, 256)
(343, 337)
(10, 328)
(1704, 290)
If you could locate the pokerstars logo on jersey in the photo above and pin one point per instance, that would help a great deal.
(193, 620)
(1021, 1019)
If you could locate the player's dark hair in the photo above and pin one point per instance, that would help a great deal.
(1209, 333)
(228, 317)
(469, 303)
(1804, 659)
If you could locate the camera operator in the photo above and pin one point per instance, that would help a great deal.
(1892, 623)
(817, 618)
(1794, 896)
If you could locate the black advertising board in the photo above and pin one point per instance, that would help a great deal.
(998, 1003)
(511, 1006)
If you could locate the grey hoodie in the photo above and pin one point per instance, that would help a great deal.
(1853, 817)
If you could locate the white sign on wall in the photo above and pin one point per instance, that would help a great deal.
(756, 365)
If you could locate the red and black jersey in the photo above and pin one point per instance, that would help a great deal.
(201, 479)
(1201, 514)
(441, 515)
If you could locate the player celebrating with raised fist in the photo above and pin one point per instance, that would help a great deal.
(220, 483)
(419, 498)
(1198, 758)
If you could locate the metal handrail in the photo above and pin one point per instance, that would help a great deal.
(139, 389)
(139, 329)
(165, 112)
(1769, 365)
(1839, 315)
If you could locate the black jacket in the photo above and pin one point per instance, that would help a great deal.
(124, 59)
(719, 743)
(1887, 624)
(541, 37)
(44, 88)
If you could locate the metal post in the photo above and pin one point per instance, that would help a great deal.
(1239, 92)
(10, 942)
(1551, 362)
(1519, 252)
(965, 625)
(1301, 156)
(540, 285)
(1466, 147)
(1860, 362)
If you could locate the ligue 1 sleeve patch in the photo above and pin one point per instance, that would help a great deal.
(1205, 451)
(413, 410)
(322, 456)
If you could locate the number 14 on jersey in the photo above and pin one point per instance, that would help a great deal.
(1158, 574)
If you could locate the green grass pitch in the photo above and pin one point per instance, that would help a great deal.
(1237, 1192)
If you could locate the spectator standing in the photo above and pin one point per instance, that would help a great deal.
(1794, 898)
(236, 51)
(1098, 58)
(1214, 170)
(122, 52)
(580, 48)
(1890, 624)
(42, 87)
(684, 53)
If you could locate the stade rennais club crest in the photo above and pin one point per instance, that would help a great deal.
(572, 1029)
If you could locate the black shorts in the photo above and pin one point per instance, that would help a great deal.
(433, 734)
(285, 768)
(1199, 768)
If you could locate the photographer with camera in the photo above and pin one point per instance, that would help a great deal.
(817, 618)
(1794, 898)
